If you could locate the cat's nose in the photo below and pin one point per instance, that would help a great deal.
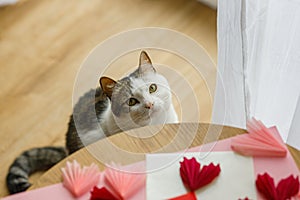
(149, 105)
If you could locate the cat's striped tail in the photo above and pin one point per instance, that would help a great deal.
(29, 162)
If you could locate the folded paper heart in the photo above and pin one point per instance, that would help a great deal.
(123, 184)
(260, 141)
(188, 196)
(80, 180)
(285, 189)
(194, 177)
(102, 193)
(119, 184)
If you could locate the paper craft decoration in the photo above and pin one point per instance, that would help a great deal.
(285, 166)
(286, 188)
(80, 181)
(188, 196)
(193, 177)
(123, 184)
(165, 182)
(102, 193)
(260, 141)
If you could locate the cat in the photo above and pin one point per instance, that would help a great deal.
(139, 99)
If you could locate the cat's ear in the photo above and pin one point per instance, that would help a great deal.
(145, 64)
(107, 85)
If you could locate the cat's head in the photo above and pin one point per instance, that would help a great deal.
(141, 98)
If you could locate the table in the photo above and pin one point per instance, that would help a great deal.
(150, 139)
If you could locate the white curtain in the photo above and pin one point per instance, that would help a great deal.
(259, 65)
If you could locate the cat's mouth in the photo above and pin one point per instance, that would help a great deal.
(149, 113)
(153, 111)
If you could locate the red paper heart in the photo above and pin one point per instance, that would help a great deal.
(286, 188)
(193, 177)
(188, 196)
(102, 194)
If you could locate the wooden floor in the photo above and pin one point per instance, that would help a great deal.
(44, 42)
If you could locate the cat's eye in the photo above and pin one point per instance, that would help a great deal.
(152, 88)
(132, 101)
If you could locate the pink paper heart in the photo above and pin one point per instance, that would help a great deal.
(80, 180)
(260, 141)
(124, 184)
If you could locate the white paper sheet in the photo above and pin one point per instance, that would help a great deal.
(235, 181)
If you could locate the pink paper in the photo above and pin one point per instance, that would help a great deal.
(278, 167)
(80, 180)
(260, 141)
(123, 183)
(57, 192)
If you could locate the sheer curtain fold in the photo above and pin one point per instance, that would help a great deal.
(269, 84)
(229, 105)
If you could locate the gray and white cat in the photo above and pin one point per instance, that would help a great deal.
(139, 99)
